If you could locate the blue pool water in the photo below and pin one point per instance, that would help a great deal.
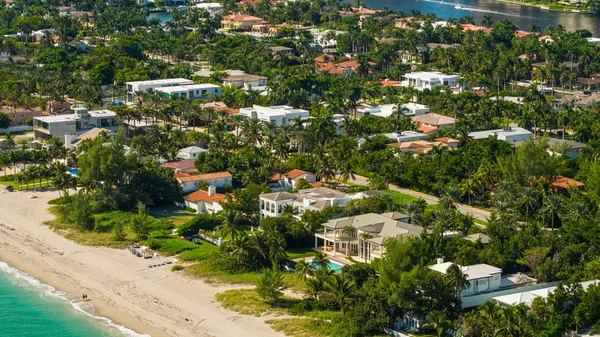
(332, 265)
(73, 171)
(29, 308)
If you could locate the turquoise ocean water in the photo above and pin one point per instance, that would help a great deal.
(29, 308)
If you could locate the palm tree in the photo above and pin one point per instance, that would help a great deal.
(253, 131)
(364, 237)
(303, 269)
(277, 252)
(576, 211)
(528, 197)
(450, 197)
(230, 223)
(321, 261)
(438, 321)
(10, 140)
(414, 212)
(314, 287)
(289, 209)
(324, 169)
(457, 278)
(553, 206)
(340, 288)
(469, 188)
(350, 231)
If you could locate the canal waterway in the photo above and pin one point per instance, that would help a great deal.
(522, 16)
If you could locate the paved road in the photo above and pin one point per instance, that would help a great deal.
(430, 199)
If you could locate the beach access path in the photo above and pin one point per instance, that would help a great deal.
(121, 287)
(477, 213)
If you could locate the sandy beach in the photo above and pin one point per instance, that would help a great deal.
(152, 301)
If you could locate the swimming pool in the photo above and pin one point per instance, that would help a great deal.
(332, 266)
(72, 171)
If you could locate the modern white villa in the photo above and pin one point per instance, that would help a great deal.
(370, 232)
(280, 115)
(527, 297)
(428, 80)
(191, 91)
(82, 120)
(507, 134)
(386, 110)
(316, 199)
(482, 278)
(142, 86)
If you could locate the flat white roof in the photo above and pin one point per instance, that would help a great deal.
(180, 88)
(516, 100)
(499, 132)
(208, 5)
(163, 81)
(57, 118)
(102, 113)
(276, 110)
(429, 75)
(472, 272)
(527, 297)
(73, 117)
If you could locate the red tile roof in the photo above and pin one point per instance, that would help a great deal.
(184, 178)
(566, 183)
(296, 173)
(389, 83)
(201, 195)
(242, 17)
(181, 165)
(425, 128)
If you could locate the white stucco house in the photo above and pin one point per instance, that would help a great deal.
(280, 115)
(205, 201)
(507, 134)
(316, 199)
(190, 152)
(190, 183)
(386, 110)
(428, 80)
(482, 278)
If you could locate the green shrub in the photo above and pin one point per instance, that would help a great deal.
(170, 246)
(177, 267)
(206, 251)
(202, 221)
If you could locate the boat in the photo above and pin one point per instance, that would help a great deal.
(458, 6)
(544, 7)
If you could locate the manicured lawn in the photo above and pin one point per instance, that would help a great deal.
(247, 302)
(401, 198)
(298, 253)
(22, 187)
(175, 214)
(301, 327)
(205, 270)
(480, 222)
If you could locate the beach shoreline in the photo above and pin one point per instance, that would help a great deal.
(99, 309)
(153, 301)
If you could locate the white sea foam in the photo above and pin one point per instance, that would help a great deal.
(29, 281)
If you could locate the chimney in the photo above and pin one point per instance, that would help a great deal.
(440, 260)
(212, 190)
